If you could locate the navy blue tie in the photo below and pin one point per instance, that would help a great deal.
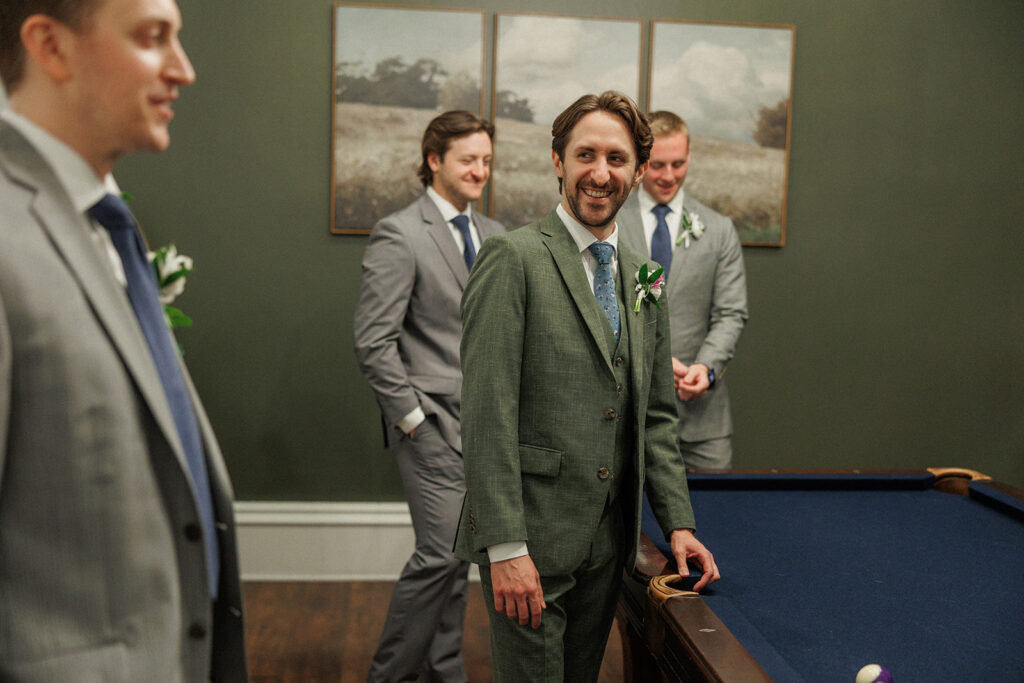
(604, 284)
(113, 214)
(469, 253)
(661, 241)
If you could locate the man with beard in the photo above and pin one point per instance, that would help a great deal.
(568, 410)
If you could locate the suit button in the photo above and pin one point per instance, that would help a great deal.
(618, 388)
(619, 360)
(603, 473)
(193, 532)
(197, 631)
(609, 414)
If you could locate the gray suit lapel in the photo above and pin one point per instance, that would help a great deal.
(439, 231)
(567, 259)
(635, 322)
(69, 233)
(681, 255)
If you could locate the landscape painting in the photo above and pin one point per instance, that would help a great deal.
(542, 65)
(392, 75)
(733, 86)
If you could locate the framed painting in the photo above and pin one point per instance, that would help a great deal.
(733, 85)
(542, 64)
(391, 76)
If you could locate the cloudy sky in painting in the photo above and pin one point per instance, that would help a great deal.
(553, 60)
(718, 77)
(370, 34)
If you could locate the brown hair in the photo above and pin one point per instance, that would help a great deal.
(442, 130)
(666, 123)
(614, 103)
(13, 13)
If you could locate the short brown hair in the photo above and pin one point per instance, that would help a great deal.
(666, 123)
(444, 128)
(13, 13)
(614, 103)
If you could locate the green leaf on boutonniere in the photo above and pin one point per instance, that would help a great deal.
(643, 273)
(654, 277)
(176, 318)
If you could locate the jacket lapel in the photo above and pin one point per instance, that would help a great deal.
(438, 230)
(69, 233)
(636, 324)
(567, 259)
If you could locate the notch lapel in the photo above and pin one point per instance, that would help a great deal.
(567, 259)
(438, 230)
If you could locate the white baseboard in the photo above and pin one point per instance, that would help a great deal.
(288, 541)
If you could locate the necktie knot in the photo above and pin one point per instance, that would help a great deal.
(602, 251)
(112, 213)
(661, 210)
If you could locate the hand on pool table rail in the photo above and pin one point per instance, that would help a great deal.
(685, 546)
(517, 590)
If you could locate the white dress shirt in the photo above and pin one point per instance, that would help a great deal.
(673, 217)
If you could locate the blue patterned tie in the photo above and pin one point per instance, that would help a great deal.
(469, 253)
(113, 214)
(604, 284)
(661, 241)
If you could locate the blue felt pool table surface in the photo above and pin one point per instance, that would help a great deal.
(819, 578)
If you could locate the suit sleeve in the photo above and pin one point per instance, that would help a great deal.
(5, 386)
(389, 273)
(493, 324)
(728, 303)
(665, 480)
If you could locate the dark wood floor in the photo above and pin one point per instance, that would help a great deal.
(326, 632)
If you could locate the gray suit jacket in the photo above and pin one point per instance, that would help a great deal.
(102, 574)
(407, 323)
(707, 302)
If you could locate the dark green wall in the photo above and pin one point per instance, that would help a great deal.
(886, 333)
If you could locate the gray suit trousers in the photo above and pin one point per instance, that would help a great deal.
(423, 632)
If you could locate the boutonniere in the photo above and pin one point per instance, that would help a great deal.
(648, 286)
(171, 268)
(692, 228)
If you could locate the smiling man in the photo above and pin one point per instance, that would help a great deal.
(568, 410)
(117, 539)
(706, 290)
(407, 333)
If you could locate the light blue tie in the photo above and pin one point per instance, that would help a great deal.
(604, 284)
(113, 214)
(469, 253)
(661, 241)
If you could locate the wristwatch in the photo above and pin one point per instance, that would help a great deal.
(711, 377)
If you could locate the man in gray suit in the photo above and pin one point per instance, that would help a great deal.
(117, 540)
(706, 292)
(407, 334)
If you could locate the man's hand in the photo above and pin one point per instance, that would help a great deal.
(691, 380)
(686, 546)
(517, 590)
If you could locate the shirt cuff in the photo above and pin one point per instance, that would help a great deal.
(506, 551)
(412, 420)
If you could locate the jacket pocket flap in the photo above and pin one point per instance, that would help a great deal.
(537, 460)
(441, 386)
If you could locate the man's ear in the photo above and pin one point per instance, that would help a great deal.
(434, 162)
(559, 170)
(640, 173)
(47, 43)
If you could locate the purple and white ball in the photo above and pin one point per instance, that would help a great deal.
(872, 673)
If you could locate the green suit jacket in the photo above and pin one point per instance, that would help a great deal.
(538, 384)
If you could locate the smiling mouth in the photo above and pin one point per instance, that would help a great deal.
(596, 194)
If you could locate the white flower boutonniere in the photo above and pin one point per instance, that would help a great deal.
(648, 286)
(692, 228)
(171, 268)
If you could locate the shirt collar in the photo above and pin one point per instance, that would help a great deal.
(647, 202)
(447, 209)
(72, 171)
(580, 235)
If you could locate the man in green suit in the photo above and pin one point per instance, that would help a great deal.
(568, 409)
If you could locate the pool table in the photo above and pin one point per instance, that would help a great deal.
(825, 572)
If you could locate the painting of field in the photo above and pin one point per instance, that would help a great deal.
(542, 65)
(391, 76)
(733, 85)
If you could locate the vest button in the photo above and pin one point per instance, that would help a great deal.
(609, 414)
(619, 360)
(618, 388)
(603, 473)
